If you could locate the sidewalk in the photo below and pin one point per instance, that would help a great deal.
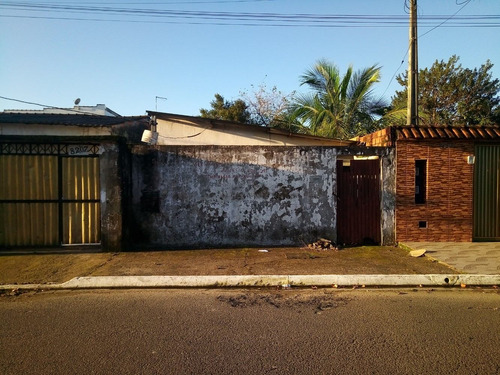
(228, 267)
(469, 257)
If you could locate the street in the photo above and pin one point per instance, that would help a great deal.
(266, 331)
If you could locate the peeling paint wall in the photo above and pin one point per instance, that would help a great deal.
(216, 196)
(388, 199)
(233, 196)
(112, 188)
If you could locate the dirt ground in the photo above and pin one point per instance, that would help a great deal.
(56, 268)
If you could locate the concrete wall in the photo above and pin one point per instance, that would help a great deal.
(185, 130)
(112, 190)
(215, 196)
(388, 198)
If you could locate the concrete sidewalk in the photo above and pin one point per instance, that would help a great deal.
(282, 267)
(468, 257)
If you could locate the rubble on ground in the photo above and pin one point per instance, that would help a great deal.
(323, 244)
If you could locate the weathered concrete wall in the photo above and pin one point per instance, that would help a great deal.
(112, 188)
(187, 130)
(388, 198)
(213, 196)
(233, 196)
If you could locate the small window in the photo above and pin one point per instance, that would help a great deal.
(422, 224)
(420, 181)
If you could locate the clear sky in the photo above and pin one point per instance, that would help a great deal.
(186, 51)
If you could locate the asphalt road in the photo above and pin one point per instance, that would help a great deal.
(323, 331)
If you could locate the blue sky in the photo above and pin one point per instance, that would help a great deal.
(125, 61)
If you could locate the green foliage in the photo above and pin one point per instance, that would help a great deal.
(338, 106)
(450, 95)
(226, 110)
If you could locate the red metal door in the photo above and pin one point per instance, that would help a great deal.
(358, 202)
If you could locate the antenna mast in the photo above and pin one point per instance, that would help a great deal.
(156, 102)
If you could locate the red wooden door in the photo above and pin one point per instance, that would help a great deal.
(358, 202)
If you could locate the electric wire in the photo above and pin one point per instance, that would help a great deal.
(464, 4)
(242, 19)
(396, 72)
(124, 14)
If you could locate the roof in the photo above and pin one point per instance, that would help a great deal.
(387, 136)
(447, 132)
(98, 109)
(223, 124)
(65, 119)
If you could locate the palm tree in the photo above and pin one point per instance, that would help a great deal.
(338, 107)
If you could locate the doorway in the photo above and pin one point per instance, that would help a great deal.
(358, 202)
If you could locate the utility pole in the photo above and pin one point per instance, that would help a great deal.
(412, 112)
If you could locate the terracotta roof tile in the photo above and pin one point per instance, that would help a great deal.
(490, 132)
(447, 132)
(432, 133)
(441, 133)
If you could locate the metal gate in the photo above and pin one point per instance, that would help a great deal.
(358, 202)
(487, 193)
(49, 195)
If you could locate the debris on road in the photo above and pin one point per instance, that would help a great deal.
(418, 253)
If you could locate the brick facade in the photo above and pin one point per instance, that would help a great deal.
(448, 208)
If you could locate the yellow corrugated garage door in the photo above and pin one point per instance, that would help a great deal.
(47, 196)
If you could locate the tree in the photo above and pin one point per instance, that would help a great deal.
(339, 106)
(450, 95)
(227, 110)
(267, 107)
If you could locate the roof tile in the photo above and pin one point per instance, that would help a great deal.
(447, 132)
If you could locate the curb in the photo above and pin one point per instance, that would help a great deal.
(110, 282)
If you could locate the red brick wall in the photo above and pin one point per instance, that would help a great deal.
(449, 204)
(381, 138)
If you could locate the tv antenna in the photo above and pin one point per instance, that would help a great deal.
(156, 101)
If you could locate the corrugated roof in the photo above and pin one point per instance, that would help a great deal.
(447, 132)
(66, 119)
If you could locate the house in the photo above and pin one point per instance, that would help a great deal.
(447, 181)
(69, 179)
(178, 130)
(99, 109)
(64, 176)
(212, 183)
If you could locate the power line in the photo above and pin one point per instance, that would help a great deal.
(353, 24)
(237, 18)
(396, 72)
(183, 2)
(463, 3)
